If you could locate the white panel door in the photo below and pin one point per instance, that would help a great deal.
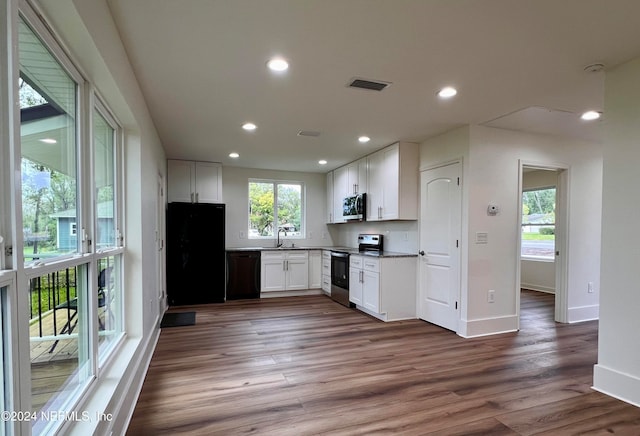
(440, 229)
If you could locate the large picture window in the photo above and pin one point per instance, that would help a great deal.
(71, 198)
(538, 223)
(276, 207)
(48, 114)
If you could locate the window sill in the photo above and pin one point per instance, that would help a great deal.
(538, 259)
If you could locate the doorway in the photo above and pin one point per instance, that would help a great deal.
(542, 247)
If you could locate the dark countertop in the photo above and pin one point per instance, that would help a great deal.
(350, 250)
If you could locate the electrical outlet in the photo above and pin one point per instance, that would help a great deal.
(491, 296)
(241, 235)
(590, 287)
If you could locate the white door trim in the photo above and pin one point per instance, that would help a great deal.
(458, 234)
(562, 236)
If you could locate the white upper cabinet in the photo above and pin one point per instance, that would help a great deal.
(330, 205)
(357, 177)
(393, 183)
(194, 182)
(348, 180)
(340, 190)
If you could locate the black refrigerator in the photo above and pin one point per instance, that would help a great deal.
(195, 253)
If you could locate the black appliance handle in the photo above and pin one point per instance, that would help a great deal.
(339, 254)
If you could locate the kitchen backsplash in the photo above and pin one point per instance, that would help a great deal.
(400, 236)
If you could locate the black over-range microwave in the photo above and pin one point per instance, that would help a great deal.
(354, 207)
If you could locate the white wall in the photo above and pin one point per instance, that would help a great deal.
(494, 172)
(235, 193)
(538, 275)
(90, 36)
(491, 171)
(618, 370)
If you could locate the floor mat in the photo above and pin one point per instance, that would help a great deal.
(178, 319)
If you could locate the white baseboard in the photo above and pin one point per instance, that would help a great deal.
(583, 313)
(616, 384)
(488, 326)
(274, 294)
(132, 387)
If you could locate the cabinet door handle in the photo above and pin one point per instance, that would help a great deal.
(197, 200)
(192, 197)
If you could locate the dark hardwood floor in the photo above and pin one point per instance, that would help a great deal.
(306, 365)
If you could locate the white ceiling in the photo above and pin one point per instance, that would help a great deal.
(202, 68)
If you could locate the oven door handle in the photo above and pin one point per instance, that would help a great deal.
(338, 254)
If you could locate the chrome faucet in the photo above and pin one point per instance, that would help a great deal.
(278, 243)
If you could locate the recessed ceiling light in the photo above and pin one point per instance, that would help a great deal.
(447, 92)
(322, 162)
(364, 139)
(49, 141)
(278, 65)
(234, 155)
(590, 115)
(249, 127)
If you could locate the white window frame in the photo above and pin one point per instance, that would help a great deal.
(303, 208)
(34, 21)
(101, 357)
(86, 223)
(531, 257)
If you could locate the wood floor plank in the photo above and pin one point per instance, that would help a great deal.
(306, 365)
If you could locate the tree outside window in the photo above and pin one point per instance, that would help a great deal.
(275, 206)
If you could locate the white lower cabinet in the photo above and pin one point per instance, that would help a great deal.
(326, 272)
(284, 270)
(383, 287)
(315, 269)
(364, 282)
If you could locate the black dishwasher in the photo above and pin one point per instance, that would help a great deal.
(243, 275)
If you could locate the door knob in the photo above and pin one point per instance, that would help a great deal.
(421, 253)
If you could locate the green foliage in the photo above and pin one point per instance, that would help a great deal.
(530, 236)
(51, 290)
(539, 201)
(44, 192)
(29, 97)
(261, 208)
(289, 206)
(547, 231)
(263, 216)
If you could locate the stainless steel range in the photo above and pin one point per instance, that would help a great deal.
(368, 244)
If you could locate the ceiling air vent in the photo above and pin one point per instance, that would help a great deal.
(308, 133)
(368, 84)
